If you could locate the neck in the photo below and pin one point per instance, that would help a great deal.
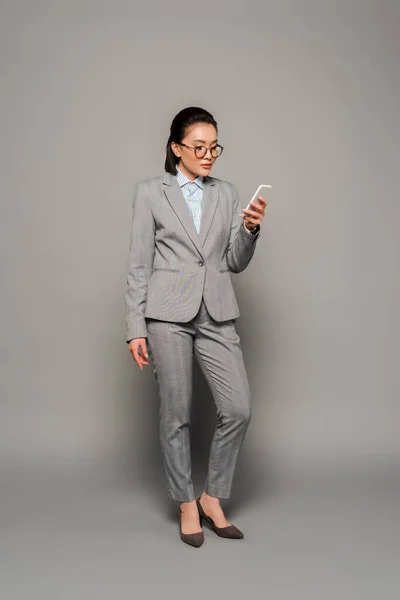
(189, 175)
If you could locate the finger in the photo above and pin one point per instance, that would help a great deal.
(259, 212)
(261, 205)
(256, 220)
(250, 219)
(258, 206)
(144, 355)
(144, 349)
(252, 222)
(251, 213)
(136, 357)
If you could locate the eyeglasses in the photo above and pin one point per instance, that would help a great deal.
(201, 151)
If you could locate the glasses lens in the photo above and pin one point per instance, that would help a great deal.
(216, 151)
(200, 151)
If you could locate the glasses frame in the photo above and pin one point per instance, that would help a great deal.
(194, 148)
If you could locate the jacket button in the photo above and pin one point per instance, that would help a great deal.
(200, 263)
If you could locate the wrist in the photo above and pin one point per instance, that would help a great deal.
(252, 229)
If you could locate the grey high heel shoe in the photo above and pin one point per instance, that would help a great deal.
(230, 531)
(193, 539)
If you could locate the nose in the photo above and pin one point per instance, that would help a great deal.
(208, 150)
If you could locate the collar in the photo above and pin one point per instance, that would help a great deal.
(183, 180)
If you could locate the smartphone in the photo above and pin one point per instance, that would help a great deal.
(262, 190)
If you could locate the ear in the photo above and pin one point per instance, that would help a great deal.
(175, 149)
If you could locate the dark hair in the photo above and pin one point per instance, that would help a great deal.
(184, 119)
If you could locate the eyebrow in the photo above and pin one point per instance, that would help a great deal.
(205, 142)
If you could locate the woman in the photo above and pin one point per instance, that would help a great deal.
(186, 239)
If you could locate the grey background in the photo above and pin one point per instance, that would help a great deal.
(306, 95)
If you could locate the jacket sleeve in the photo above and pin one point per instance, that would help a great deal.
(139, 264)
(241, 243)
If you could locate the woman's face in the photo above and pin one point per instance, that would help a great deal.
(199, 134)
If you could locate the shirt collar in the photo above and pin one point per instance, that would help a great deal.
(183, 180)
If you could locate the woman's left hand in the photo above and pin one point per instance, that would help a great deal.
(252, 218)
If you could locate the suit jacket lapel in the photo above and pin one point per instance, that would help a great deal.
(175, 197)
(209, 206)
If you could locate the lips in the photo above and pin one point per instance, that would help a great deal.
(206, 166)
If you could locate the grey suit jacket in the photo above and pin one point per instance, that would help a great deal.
(170, 266)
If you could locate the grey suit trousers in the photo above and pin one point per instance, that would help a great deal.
(216, 346)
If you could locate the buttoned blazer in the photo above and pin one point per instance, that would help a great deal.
(171, 266)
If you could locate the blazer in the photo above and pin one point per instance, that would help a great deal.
(170, 266)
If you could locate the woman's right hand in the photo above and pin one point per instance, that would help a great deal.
(136, 345)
